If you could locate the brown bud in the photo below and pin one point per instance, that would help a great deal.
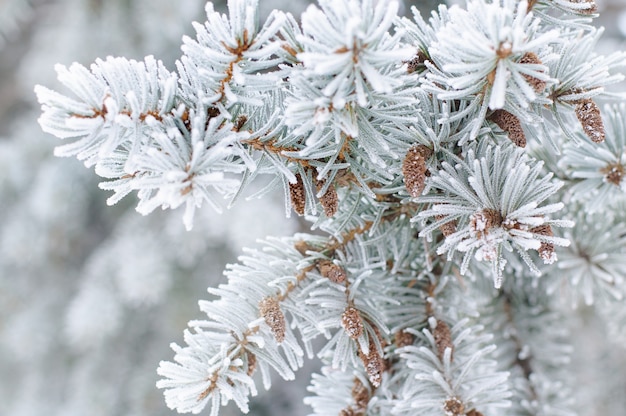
(302, 247)
(531, 58)
(329, 200)
(274, 317)
(403, 339)
(241, 120)
(443, 338)
(352, 322)
(298, 195)
(448, 228)
(588, 114)
(510, 124)
(374, 365)
(417, 63)
(332, 271)
(474, 412)
(414, 169)
(454, 407)
(546, 250)
(360, 394)
(481, 222)
(613, 173)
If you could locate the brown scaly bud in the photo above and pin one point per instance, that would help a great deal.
(374, 365)
(417, 63)
(414, 169)
(538, 85)
(448, 228)
(298, 195)
(613, 173)
(546, 250)
(329, 200)
(481, 222)
(510, 124)
(360, 394)
(474, 412)
(352, 322)
(302, 247)
(332, 271)
(443, 338)
(274, 317)
(454, 407)
(404, 339)
(241, 120)
(588, 114)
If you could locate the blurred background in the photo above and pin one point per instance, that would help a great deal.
(91, 295)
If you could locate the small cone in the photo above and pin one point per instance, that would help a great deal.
(332, 271)
(414, 169)
(274, 317)
(588, 114)
(352, 322)
(443, 338)
(298, 195)
(374, 365)
(448, 228)
(510, 124)
(329, 200)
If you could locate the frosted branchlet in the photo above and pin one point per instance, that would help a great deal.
(597, 169)
(588, 114)
(490, 67)
(298, 195)
(269, 309)
(510, 124)
(493, 223)
(414, 169)
(352, 322)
